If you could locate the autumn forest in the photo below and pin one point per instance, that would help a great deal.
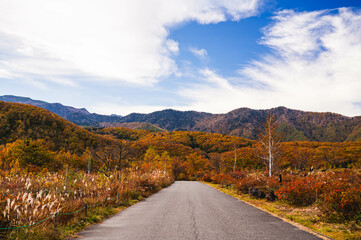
(50, 165)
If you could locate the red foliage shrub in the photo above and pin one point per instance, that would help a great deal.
(343, 202)
(272, 183)
(302, 191)
(251, 181)
(237, 174)
(337, 192)
(223, 179)
(207, 178)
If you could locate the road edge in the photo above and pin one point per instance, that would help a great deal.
(298, 225)
(119, 209)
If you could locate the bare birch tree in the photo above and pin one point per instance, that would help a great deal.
(270, 143)
(235, 158)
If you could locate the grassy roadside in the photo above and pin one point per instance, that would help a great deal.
(71, 227)
(94, 216)
(55, 206)
(304, 217)
(67, 227)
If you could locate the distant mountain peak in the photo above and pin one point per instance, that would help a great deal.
(57, 108)
(243, 122)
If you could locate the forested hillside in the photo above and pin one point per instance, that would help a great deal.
(36, 142)
(19, 121)
(35, 138)
(215, 152)
(295, 125)
(79, 116)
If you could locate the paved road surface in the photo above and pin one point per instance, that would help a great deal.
(192, 210)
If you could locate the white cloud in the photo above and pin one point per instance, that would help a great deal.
(315, 66)
(124, 41)
(212, 78)
(23, 62)
(200, 53)
(172, 46)
(5, 74)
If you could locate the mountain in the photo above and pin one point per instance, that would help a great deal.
(171, 119)
(295, 125)
(134, 126)
(79, 116)
(21, 121)
(244, 122)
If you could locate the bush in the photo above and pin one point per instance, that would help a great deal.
(207, 178)
(300, 192)
(237, 175)
(223, 179)
(251, 181)
(342, 203)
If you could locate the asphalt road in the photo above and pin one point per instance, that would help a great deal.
(192, 210)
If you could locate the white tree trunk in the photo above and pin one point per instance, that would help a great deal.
(270, 157)
(235, 158)
(270, 144)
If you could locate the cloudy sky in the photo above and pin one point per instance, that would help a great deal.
(123, 56)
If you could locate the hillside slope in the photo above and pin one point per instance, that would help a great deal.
(21, 121)
(244, 122)
(295, 125)
(79, 116)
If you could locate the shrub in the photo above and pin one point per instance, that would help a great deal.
(237, 175)
(223, 179)
(207, 178)
(251, 181)
(299, 192)
(342, 203)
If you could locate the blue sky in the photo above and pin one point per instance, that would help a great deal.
(118, 57)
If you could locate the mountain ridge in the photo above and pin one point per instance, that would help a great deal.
(296, 125)
(79, 116)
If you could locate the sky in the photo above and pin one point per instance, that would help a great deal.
(125, 56)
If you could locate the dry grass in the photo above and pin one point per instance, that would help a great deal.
(29, 198)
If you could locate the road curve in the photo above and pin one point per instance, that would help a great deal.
(193, 210)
